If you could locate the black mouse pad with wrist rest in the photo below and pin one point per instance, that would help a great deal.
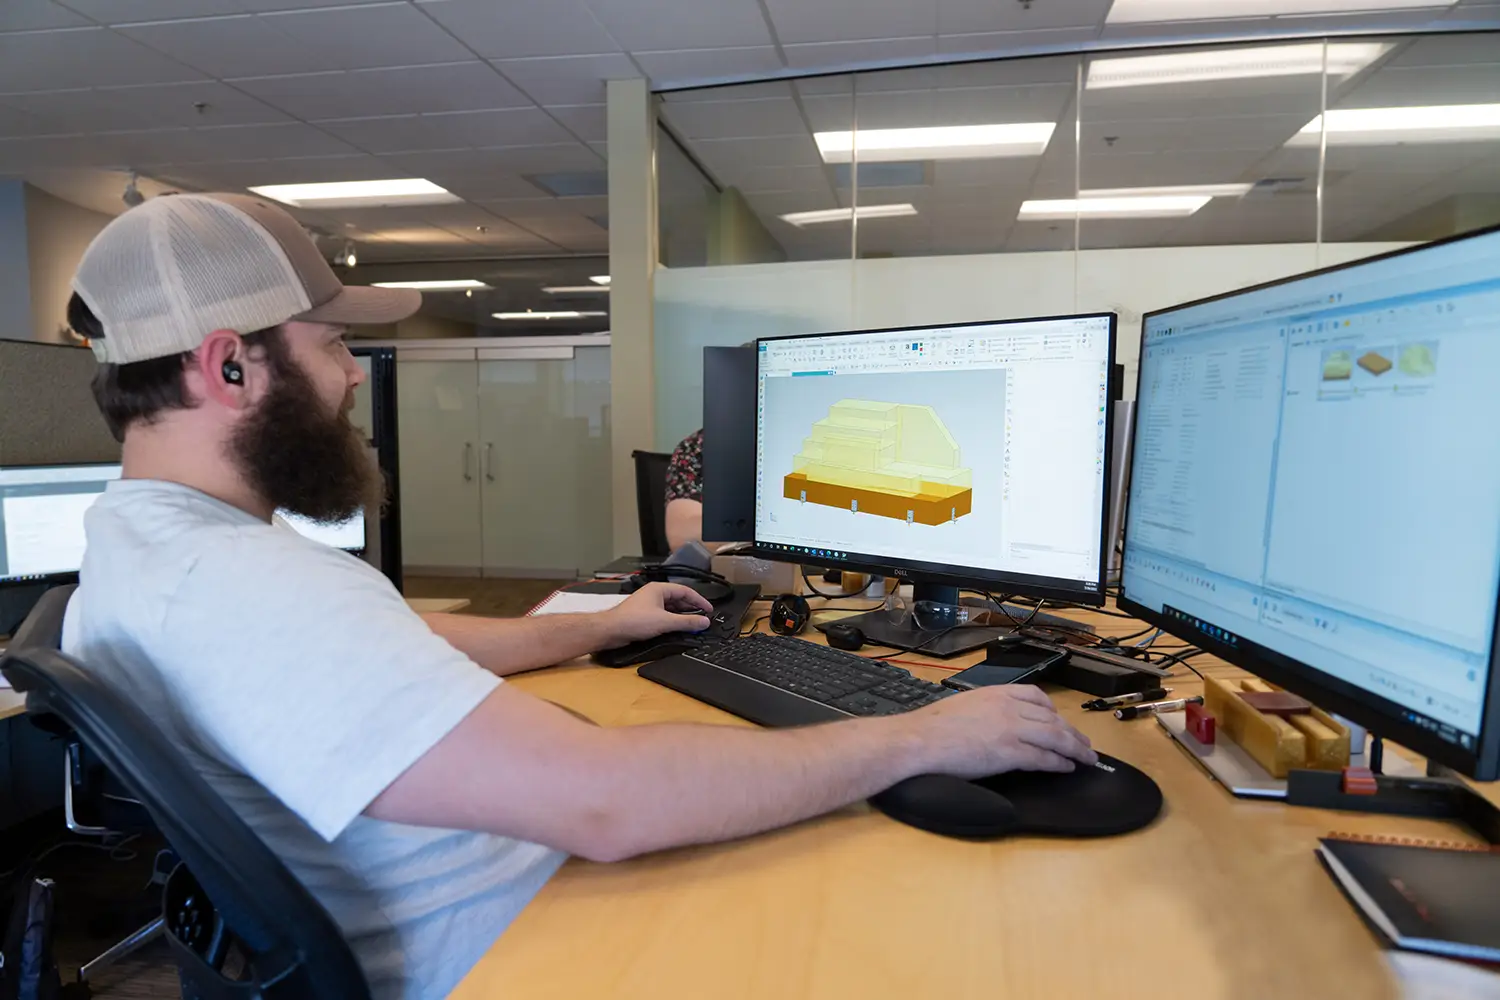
(1109, 798)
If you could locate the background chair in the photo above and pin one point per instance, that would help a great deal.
(239, 924)
(651, 502)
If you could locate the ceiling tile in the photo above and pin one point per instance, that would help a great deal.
(736, 119)
(1449, 50)
(30, 15)
(501, 30)
(121, 109)
(302, 170)
(242, 45)
(697, 65)
(755, 180)
(14, 123)
(1246, 132)
(585, 121)
(840, 55)
(739, 92)
(452, 130)
(1477, 83)
(977, 106)
(956, 17)
(235, 142)
(395, 34)
(19, 155)
(657, 25)
(1006, 42)
(125, 11)
(725, 156)
(838, 20)
(360, 37)
(538, 207)
(469, 86)
(567, 79)
(559, 227)
(81, 57)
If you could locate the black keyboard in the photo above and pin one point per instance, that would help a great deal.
(779, 681)
(728, 614)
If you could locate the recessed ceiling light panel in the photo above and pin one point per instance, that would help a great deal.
(361, 194)
(941, 142)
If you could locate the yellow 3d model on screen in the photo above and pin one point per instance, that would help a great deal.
(888, 459)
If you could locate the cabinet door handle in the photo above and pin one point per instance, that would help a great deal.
(489, 461)
(468, 461)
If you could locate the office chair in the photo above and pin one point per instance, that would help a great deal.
(239, 924)
(651, 502)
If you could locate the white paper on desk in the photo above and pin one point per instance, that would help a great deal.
(1428, 977)
(566, 602)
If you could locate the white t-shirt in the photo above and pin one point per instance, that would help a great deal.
(296, 680)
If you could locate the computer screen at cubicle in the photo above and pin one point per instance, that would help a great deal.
(972, 454)
(41, 521)
(1315, 489)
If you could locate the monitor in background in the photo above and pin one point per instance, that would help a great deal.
(1314, 490)
(971, 456)
(728, 444)
(1119, 481)
(41, 520)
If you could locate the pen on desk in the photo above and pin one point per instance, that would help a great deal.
(1134, 698)
(1156, 708)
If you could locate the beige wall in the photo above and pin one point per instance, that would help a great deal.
(57, 233)
(418, 327)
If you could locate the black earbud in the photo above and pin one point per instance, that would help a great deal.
(233, 373)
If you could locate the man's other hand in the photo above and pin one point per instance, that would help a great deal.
(658, 608)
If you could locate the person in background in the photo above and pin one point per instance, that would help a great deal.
(685, 492)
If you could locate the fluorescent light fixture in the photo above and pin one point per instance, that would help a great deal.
(1388, 126)
(544, 314)
(352, 194)
(576, 289)
(845, 214)
(1126, 11)
(942, 142)
(445, 285)
(1146, 207)
(600, 279)
(1209, 190)
(1344, 59)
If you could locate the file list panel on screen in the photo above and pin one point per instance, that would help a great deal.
(1205, 440)
(975, 447)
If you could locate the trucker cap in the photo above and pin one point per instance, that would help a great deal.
(164, 275)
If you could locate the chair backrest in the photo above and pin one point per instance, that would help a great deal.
(43, 624)
(651, 502)
(295, 949)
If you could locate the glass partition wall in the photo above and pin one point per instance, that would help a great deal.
(1124, 180)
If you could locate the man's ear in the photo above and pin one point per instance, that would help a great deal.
(223, 369)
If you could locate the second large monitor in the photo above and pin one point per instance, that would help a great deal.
(971, 455)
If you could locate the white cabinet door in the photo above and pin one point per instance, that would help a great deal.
(544, 441)
(438, 409)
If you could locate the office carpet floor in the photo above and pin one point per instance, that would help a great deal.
(100, 899)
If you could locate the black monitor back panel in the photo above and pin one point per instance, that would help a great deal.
(729, 375)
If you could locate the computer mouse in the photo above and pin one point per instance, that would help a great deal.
(842, 636)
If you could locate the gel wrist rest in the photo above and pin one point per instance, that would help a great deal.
(1110, 798)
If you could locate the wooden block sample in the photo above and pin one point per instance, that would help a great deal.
(1277, 744)
(1282, 703)
(1375, 363)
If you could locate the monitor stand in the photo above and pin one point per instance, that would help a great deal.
(948, 639)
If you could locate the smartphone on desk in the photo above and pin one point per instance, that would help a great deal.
(1015, 665)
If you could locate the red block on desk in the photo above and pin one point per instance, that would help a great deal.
(1200, 722)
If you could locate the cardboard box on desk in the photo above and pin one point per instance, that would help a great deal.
(773, 577)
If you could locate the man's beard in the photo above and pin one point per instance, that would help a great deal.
(302, 459)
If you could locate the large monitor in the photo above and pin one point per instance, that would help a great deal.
(41, 521)
(1315, 489)
(973, 455)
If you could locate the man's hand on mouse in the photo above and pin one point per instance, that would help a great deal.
(1008, 727)
(656, 609)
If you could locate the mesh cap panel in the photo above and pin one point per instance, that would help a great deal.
(166, 274)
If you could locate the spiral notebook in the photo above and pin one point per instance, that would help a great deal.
(1440, 900)
(569, 602)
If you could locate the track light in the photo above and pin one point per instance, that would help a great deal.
(346, 257)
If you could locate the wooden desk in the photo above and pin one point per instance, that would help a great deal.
(11, 704)
(1219, 898)
(436, 605)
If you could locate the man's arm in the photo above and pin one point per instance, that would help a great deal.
(684, 522)
(609, 794)
(511, 645)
